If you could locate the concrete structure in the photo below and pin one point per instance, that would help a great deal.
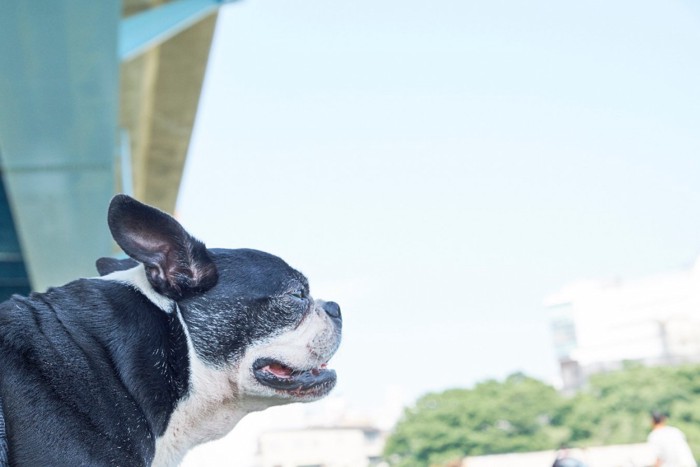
(321, 447)
(597, 326)
(159, 96)
(337, 433)
(96, 97)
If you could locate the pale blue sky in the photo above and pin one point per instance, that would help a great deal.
(439, 167)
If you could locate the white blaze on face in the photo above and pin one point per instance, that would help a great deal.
(309, 346)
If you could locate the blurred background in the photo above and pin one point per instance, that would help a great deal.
(503, 197)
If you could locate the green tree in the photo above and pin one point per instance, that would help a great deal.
(518, 414)
(523, 414)
(614, 408)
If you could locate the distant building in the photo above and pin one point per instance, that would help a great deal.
(597, 326)
(321, 447)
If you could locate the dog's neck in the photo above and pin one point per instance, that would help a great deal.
(210, 410)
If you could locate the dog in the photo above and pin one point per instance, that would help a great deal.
(166, 349)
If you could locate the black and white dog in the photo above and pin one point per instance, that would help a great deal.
(165, 350)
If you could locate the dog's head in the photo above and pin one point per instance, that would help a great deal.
(247, 313)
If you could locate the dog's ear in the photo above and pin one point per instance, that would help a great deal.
(177, 265)
(109, 265)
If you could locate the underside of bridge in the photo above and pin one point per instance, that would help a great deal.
(95, 98)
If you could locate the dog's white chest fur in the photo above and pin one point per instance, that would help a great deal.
(203, 416)
(210, 411)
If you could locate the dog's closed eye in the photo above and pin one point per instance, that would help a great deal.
(299, 294)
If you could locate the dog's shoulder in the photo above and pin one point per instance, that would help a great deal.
(95, 327)
(84, 307)
(92, 342)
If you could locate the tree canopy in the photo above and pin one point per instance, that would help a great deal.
(523, 414)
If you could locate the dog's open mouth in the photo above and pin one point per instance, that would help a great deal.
(315, 382)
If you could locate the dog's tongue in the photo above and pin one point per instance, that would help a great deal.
(279, 370)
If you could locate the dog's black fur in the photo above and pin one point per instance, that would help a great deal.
(92, 373)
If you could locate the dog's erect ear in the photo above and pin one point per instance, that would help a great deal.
(177, 265)
(109, 265)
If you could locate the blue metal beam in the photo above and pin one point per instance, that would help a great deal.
(150, 28)
(13, 274)
(59, 92)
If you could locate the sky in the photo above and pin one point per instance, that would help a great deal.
(438, 168)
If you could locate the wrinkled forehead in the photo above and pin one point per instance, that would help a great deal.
(253, 272)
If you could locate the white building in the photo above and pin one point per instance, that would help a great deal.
(327, 433)
(597, 326)
(321, 447)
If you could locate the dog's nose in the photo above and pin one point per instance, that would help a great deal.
(332, 309)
